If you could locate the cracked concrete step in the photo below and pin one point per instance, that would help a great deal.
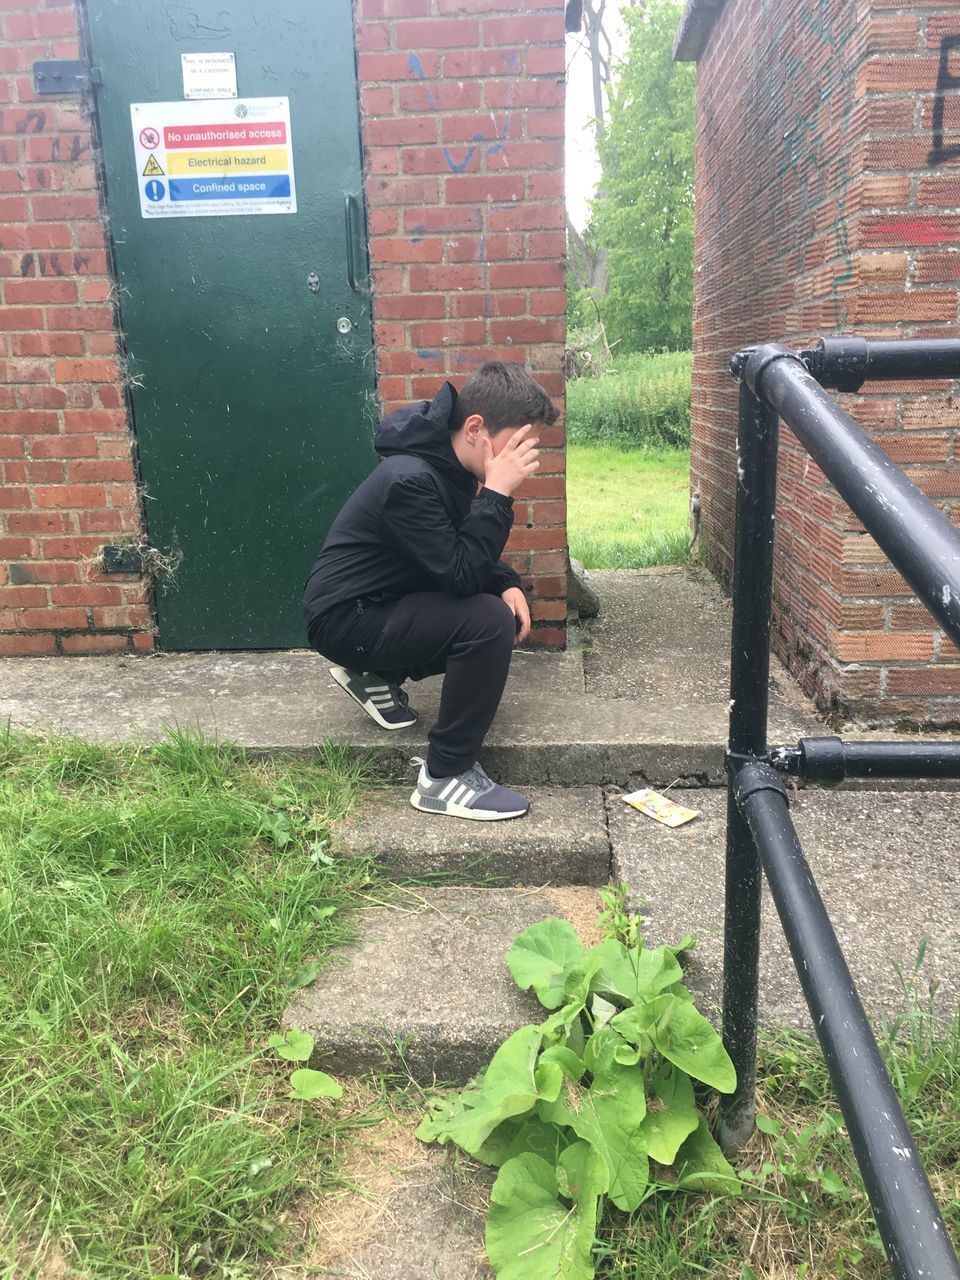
(562, 840)
(427, 986)
(549, 731)
(886, 865)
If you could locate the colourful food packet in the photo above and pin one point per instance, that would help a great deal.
(660, 808)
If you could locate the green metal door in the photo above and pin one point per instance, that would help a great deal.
(247, 337)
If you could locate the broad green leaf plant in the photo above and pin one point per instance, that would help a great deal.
(596, 1103)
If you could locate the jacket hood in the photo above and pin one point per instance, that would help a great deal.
(423, 430)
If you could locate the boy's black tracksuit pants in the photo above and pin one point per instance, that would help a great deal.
(426, 634)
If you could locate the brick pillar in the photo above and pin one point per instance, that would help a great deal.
(825, 205)
(462, 104)
(65, 450)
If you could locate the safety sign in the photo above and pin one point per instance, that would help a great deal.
(217, 158)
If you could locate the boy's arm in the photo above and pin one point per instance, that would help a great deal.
(501, 579)
(459, 562)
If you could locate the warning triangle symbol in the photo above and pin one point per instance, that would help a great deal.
(152, 168)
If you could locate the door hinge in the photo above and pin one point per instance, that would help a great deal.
(126, 558)
(63, 75)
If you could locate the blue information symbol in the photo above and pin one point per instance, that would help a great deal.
(155, 190)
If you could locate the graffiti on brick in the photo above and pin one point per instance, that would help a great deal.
(947, 79)
(489, 146)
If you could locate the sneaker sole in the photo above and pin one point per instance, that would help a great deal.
(445, 809)
(343, 680)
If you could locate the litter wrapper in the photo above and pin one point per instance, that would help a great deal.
(660, 808)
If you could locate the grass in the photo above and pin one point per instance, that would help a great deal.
(803, 1212)
(627, 509)
(157, 907)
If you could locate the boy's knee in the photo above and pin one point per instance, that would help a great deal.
(495, 618)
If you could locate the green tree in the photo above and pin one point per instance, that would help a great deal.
(644, 215)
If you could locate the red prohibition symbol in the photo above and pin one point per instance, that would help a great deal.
(149, 138)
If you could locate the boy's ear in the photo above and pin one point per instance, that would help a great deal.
(472, 426)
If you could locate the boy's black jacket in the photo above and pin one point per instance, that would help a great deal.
(417, 523)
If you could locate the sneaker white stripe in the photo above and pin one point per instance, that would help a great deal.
(458, 795)
(452, 785)
(468, 797)
(376, 688)
(382, 700)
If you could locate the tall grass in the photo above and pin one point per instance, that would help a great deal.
(156, 908)
(641, 401)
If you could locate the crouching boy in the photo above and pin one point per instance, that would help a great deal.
(409, 582)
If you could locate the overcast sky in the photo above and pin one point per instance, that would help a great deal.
(582, 168)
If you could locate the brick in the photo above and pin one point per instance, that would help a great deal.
(377, 67)
(46, 344)
(29, 422)
(45, 571)
(18, 646)
(73, 496)
(52, 619)
(40, 291)
(88, 593)
(91, 643)
(39, 522)
(488, 63)
(14, 597)
(410, 250)
(479, 188)
(85, 370)
(522, 29)
(884, 646)
(407, 131)
(448, 33)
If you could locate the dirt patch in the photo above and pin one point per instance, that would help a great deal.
(405, 1210)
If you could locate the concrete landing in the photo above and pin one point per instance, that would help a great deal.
(428, 988)
(646, 702)
(886, 865)
(562, 840)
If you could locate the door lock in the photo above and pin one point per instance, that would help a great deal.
(344, 324)
(313, 282)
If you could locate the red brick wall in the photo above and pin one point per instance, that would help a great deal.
(462, 105)
(463, 147)
(821, 209)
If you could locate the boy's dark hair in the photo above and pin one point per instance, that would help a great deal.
(505, 396)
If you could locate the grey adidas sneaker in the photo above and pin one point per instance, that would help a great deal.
(386, 704)
(470, 794)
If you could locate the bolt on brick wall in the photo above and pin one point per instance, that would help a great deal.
(65, 449)
(462, 105)
(828, 180)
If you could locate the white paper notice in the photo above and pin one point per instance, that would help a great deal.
(209, 75)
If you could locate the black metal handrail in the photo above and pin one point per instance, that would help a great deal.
(777, 382)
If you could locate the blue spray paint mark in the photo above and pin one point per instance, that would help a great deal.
(416, 66)
(460, 166)
(424, 354)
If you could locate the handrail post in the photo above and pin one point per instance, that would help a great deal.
(749, 679)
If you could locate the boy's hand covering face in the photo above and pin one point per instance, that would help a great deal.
(506, 466)
(517, 602)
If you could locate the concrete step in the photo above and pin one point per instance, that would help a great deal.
(427, 987)
(551, 730)
(886, 864)
(562, 840)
